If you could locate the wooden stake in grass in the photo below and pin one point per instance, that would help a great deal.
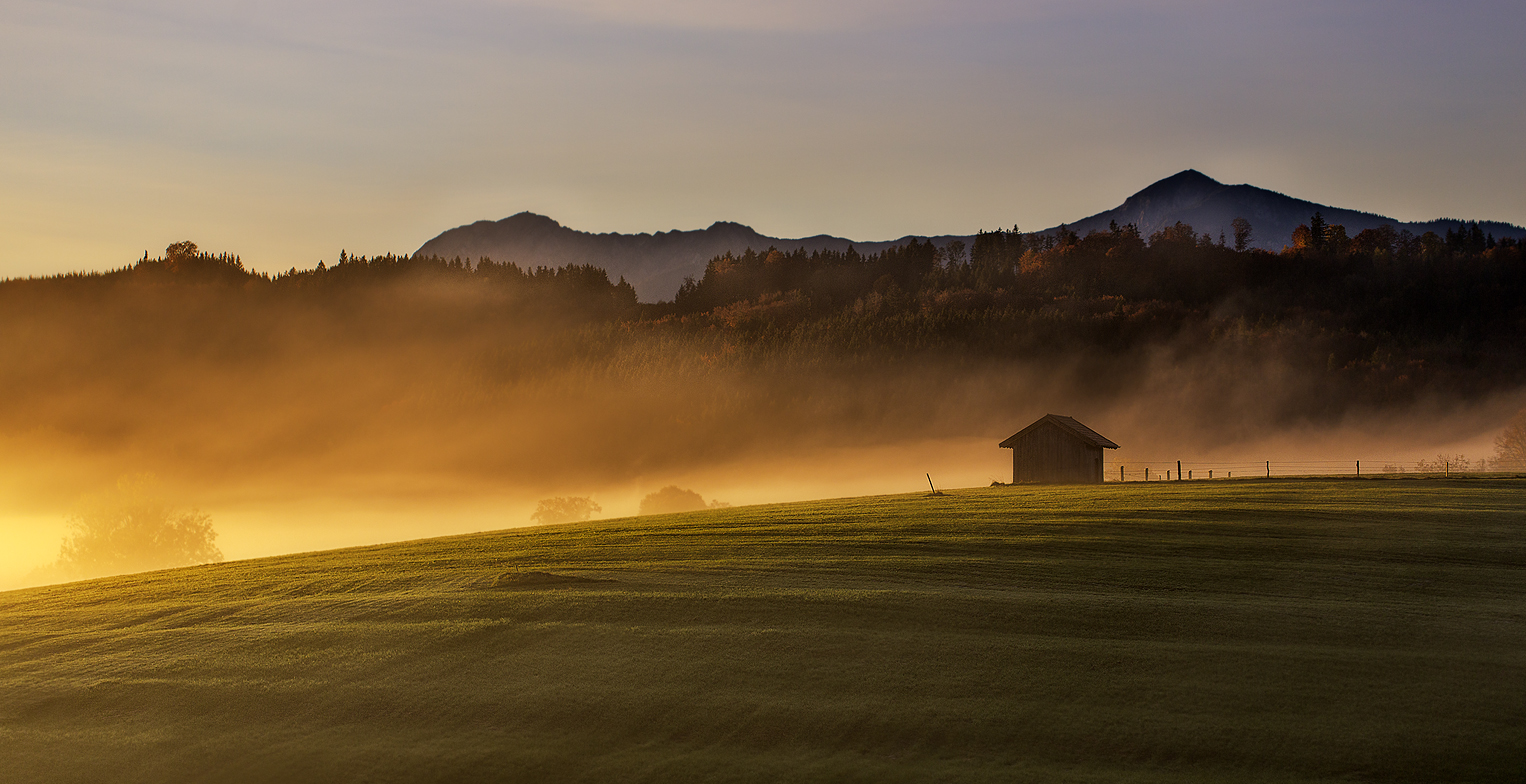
(930, 485)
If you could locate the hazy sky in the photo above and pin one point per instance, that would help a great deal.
(285, 131)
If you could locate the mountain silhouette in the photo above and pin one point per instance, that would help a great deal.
(656, 264)
(1209, 206)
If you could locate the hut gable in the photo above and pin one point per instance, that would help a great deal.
(1057, 449)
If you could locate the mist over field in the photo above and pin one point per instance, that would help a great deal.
(303, 414)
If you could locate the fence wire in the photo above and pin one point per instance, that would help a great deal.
(1166, 470)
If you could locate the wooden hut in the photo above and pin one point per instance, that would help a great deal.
(1057, 450)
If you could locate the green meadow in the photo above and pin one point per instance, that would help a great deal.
(1264, 631)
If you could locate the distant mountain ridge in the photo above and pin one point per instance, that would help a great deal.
(1206, 204)
(656, 264)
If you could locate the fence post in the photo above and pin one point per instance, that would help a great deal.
(1358, 469)
(1120, 472)
(1268, 469)
(1178, 470)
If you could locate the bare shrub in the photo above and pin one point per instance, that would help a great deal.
(565, 510)
(1455, 464)
(1510, 446)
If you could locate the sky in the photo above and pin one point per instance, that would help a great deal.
(285, 131)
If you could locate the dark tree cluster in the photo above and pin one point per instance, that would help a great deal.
(828, 278)
(1393, 311)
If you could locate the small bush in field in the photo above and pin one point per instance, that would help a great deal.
(672, 499)
(565, 510)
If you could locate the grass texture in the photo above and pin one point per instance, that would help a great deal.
(1282, 631)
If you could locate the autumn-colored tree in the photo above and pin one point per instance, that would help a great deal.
(1302, 239)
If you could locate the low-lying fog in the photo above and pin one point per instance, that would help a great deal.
(299, 427)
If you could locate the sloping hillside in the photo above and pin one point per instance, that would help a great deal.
(1183, 632)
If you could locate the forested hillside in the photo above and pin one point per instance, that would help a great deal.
(1377, 318)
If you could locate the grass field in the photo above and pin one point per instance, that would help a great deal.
(1279, 631)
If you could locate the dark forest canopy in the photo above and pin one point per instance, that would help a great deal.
(585, 289)
(1380, 317)
(1386, 312)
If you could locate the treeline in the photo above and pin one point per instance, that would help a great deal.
(1384, 315)
(584, 289)
(1176, 263)
(1380, 316)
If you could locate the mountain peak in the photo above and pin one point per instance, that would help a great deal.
(529, 220)
(1190, 182)
(1189, 177)
(1183, 190)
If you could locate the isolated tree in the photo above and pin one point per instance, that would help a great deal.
(180, 251)
(565, 510)
(1243, 233)
(135, 530)
(1510, 446)
(672, 499)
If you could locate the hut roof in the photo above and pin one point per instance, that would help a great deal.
(1066, 423)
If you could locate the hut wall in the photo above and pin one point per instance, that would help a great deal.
(1052, 455)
